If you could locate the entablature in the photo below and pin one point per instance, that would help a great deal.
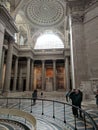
(8, 21)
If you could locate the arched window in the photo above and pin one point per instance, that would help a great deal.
(49, 41)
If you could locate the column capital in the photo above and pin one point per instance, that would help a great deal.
(27, 58)
(43, 61)
(32, 60)
(54, 60)
(17, 57)
(76, 5)
(77, 18)
(11, 39)
(67, 57)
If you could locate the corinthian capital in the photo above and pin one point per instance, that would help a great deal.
(77, 18)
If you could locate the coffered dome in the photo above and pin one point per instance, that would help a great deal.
(44, 13)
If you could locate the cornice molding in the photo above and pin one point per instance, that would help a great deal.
(8, 21)
(89, 3)
(90, 6)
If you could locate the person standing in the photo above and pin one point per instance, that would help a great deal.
(72, 96)
(96, 98)
(79, 95)
(41, 94)
(34, 96)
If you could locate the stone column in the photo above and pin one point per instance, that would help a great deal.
(54, 75)
(20, 78)
(43, 74)
(28, 75)
(8, 66)
(2, 65)
(77, 45)
(67, 73)
(32, 76)
(15, 74)
(2, 30)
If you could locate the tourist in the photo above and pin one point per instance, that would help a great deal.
(76, 96)
(34, 96)
(96, 98)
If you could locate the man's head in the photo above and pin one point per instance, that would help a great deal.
(77, 91)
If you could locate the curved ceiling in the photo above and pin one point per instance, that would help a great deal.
(43, 13)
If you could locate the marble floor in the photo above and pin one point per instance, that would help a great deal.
(70, 121)
(47, 122)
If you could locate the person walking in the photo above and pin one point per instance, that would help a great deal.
(76, 96)
(79, 96)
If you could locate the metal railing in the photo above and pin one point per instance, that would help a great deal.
(53, 109)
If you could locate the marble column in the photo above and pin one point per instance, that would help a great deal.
(67, 73)
(28, 75)
(43, 74)
(2, 31)
(8, 66)
(15, 74)
(54, 75)
(32, 76)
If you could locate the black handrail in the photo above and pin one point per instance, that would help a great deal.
(86, 115)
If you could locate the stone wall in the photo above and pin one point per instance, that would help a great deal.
(85, 43)
(87, 89)
(91, 38)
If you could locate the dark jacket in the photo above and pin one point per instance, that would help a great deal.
(76, 98)
(34, 95)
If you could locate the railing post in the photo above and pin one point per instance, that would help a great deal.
(64, 114)
(53, 110)
(31, 106)
(75, 122)
(42, 107)
(84, 121)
